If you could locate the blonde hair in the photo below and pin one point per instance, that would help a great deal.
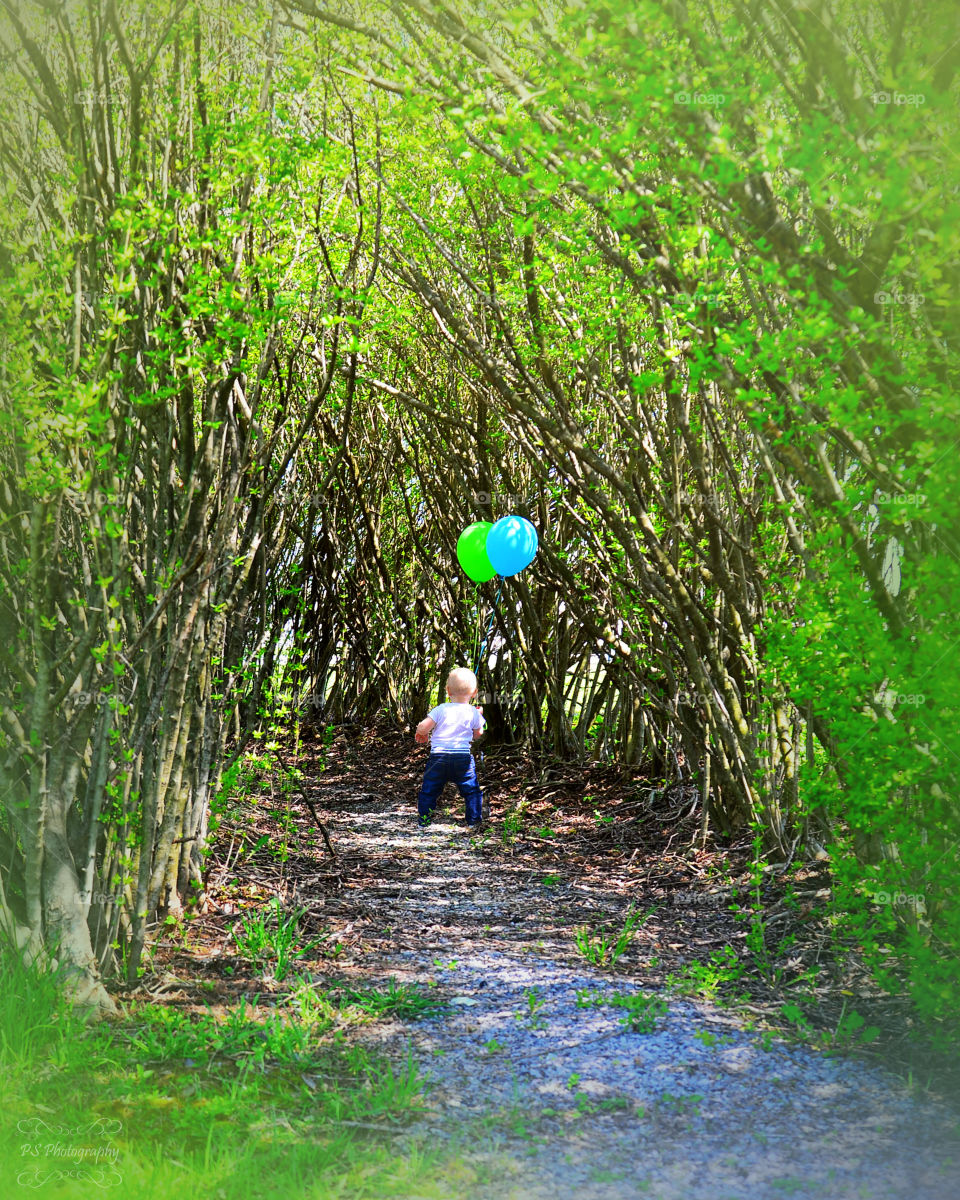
(461, 684)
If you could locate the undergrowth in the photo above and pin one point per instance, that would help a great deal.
(251, 1105)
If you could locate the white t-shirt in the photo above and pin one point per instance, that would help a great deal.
(454, 729)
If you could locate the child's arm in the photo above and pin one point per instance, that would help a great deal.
(478, 733)
(424, 729)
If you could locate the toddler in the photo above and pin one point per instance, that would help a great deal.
(451, 728)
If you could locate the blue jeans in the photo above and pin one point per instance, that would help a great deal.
(450, 768)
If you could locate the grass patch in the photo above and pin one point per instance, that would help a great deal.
(244, 1105)
(270, 936)
(404, 1000)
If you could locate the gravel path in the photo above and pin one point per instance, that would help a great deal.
(550, 1099)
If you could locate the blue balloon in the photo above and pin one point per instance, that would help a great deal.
(511, 545)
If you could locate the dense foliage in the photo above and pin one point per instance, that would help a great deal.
(293, 295)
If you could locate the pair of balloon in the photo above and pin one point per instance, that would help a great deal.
(503, 547)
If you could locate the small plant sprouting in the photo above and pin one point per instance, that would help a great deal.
(852, 1030)
(329, 733)
(512, 824)
(794, 1014)
(588, 998)
(643, 1009)
(682, 1105)
(535, 1003)
(706, 979)
(601, 948)
(711, 1039)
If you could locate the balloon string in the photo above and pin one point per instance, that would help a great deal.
(476, 636)
(486, 636)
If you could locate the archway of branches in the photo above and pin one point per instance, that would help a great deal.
(297, 294)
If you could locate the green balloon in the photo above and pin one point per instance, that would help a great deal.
(472, 552)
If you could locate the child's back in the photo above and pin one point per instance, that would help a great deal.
(451, 728)
(453, 733)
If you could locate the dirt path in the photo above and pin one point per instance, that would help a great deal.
(534, 1075)
(548, 1078)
